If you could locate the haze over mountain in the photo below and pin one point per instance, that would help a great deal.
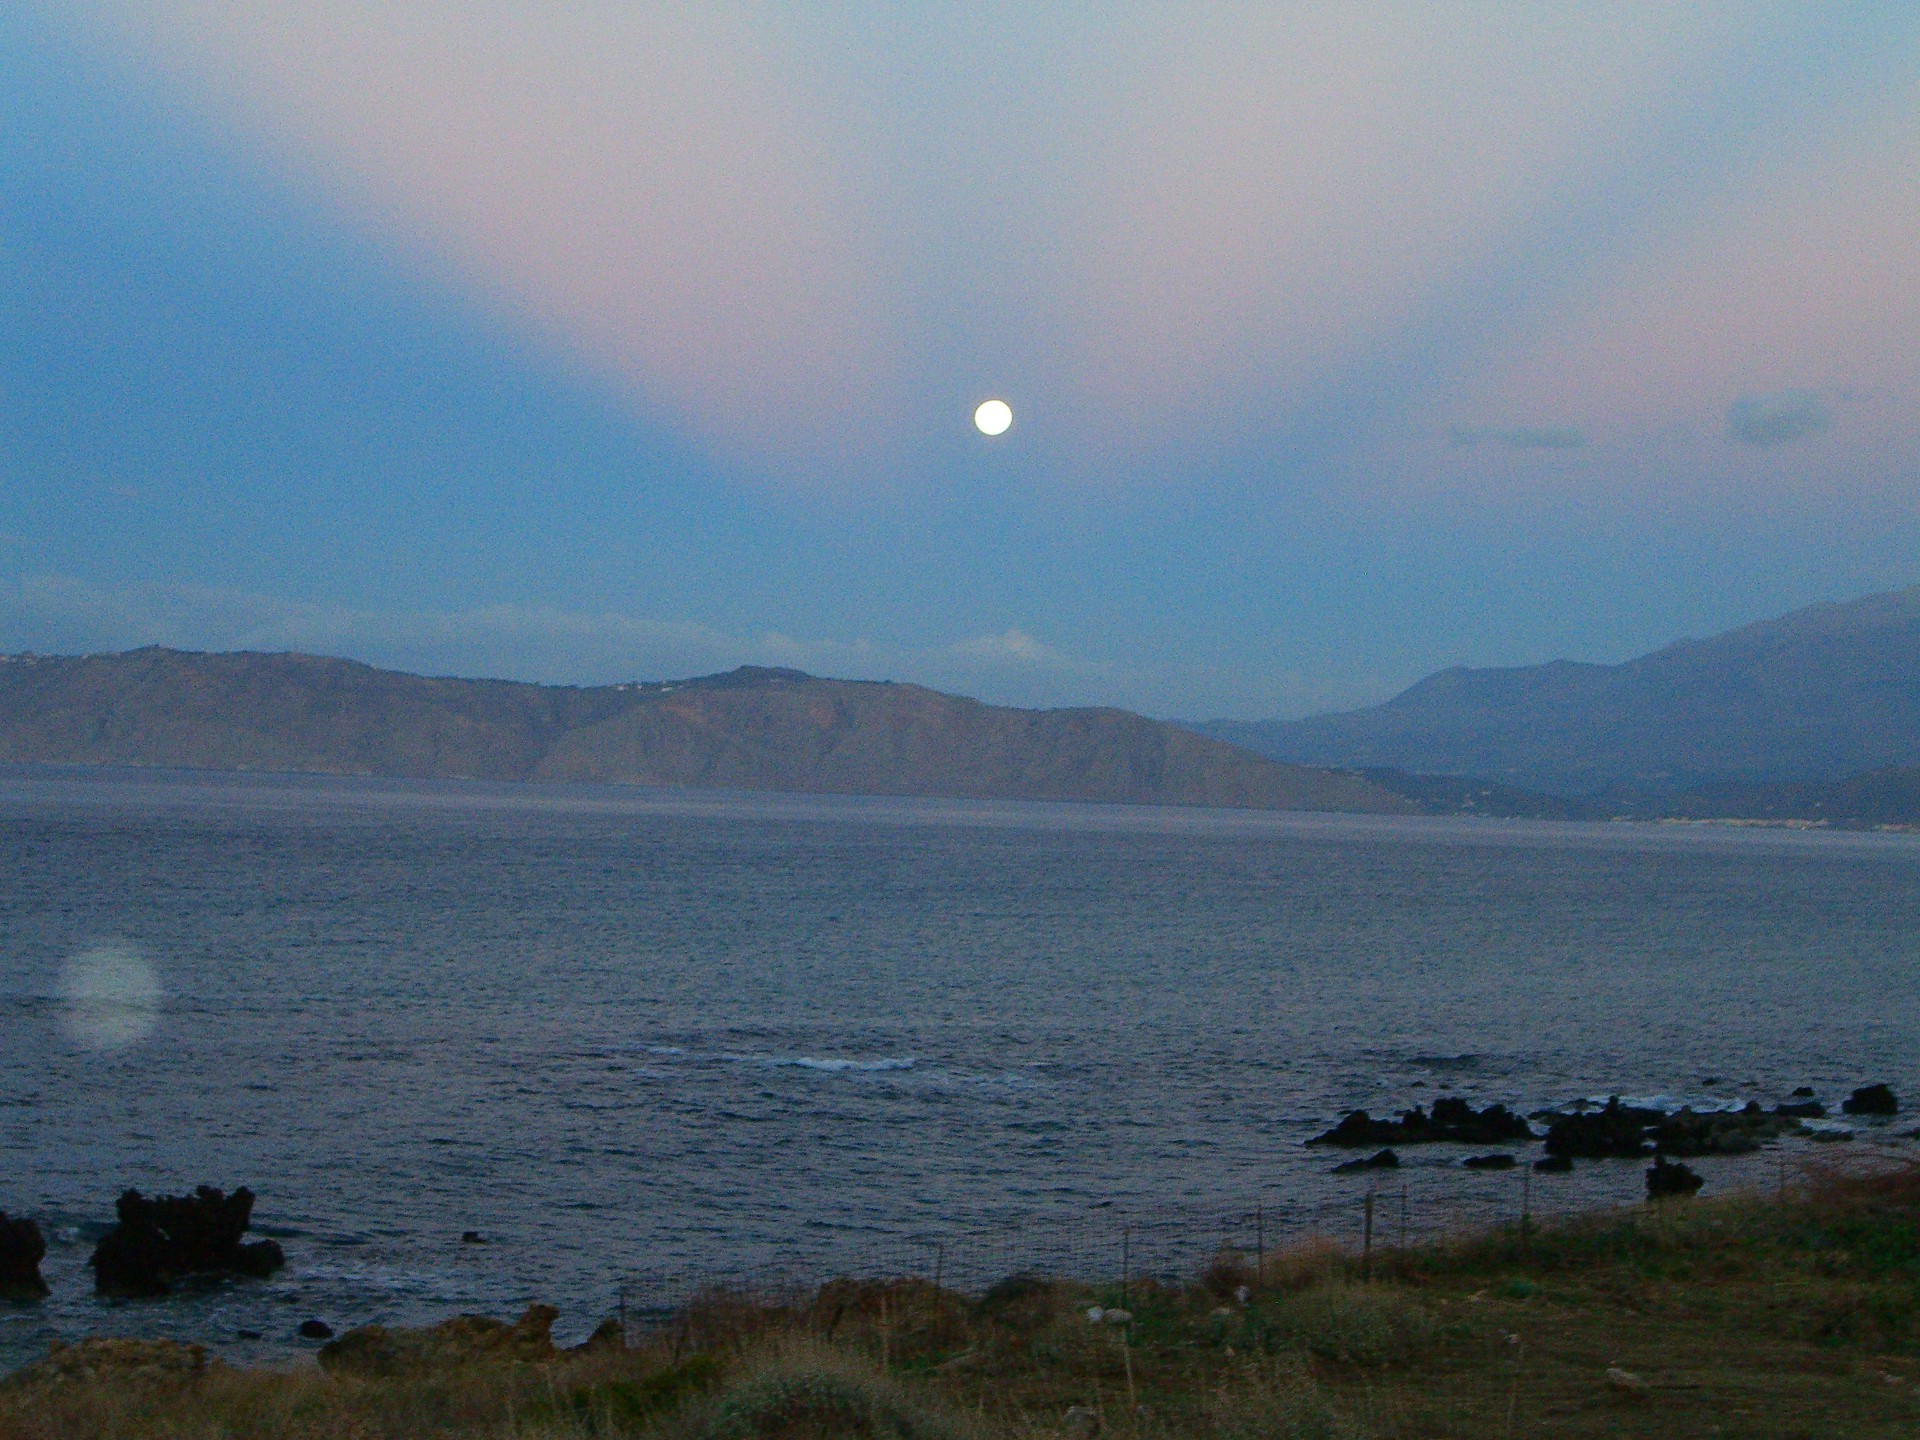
(751, 728)
(1823, 693)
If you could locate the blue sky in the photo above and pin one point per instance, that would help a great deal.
(597, 342)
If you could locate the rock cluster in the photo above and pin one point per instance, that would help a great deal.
(22, 1247)
(1620, 1131)
(1379, 1160)
(169, 1237)
(463, 1340)
(1452, 1120)
(136, 1361)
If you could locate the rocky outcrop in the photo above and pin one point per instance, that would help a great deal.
(463, 1340)
(118, 1362)
(1452, 1120)
(1614, 1131)
(1498, 1161)
(1871, 1100)
(1626, 1132)
(170, 1237)
(1379, 1160)
(22, 1248)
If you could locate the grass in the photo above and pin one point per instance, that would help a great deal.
(1746, 1316)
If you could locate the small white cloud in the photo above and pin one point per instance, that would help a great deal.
(1012, 647)
(1778, 418)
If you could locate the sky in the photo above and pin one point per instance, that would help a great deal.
(597, 341)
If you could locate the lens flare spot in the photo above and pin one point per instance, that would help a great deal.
(112, 996)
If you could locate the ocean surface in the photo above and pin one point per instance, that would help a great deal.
(639, 1039)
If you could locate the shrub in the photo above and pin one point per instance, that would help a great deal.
(807, 1393)
(1278, 1406)
(1354, 1324)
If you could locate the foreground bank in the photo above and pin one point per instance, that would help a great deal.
(1779, 1315)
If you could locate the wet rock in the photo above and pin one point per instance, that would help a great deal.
(1614, 1132)
(1379, 1160)
(118, 1362)
(315, 1330)
(1452, 1120)
(1670, 1180)
(463, 1340)
(1489, 1162)
(170, 1237)
(1686, 1133)
(1554, 1165)
(472, 1237)
(22, 1247)
(1800, 1110)
(1619, 1131)
(1871, 1100)
(1803, 1092)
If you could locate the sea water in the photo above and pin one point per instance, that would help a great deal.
(621, 1033)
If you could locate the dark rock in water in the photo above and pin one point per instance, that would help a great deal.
(1489, 1162)
(472, 1237)
(1803, 1092)
(22, 1247)
(315, 1330)
(1453, 1120)
(463, 1340)
(1554, 1165)
(1670, 1180)
(1380, 1160)
(1629, 1131)
(248, 1335)
(169, 1237)
(1871, 1100)
(1721, 1132)
(1800, 1109)
(1614, 1132)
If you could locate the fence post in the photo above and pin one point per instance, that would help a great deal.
(1126, 1262)
(1259, 1244)
(1366, 1242)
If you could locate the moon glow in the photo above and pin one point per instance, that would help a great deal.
(993, 417)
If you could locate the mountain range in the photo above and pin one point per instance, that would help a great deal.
(1766, 714)
(752, 728)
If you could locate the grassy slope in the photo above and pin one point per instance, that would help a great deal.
(1747, 1316)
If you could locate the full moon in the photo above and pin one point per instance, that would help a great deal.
(993, 417)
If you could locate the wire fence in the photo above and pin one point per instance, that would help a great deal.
(1175, 1244)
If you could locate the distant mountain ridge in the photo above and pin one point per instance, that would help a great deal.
(751, 728)
(1823, 693)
